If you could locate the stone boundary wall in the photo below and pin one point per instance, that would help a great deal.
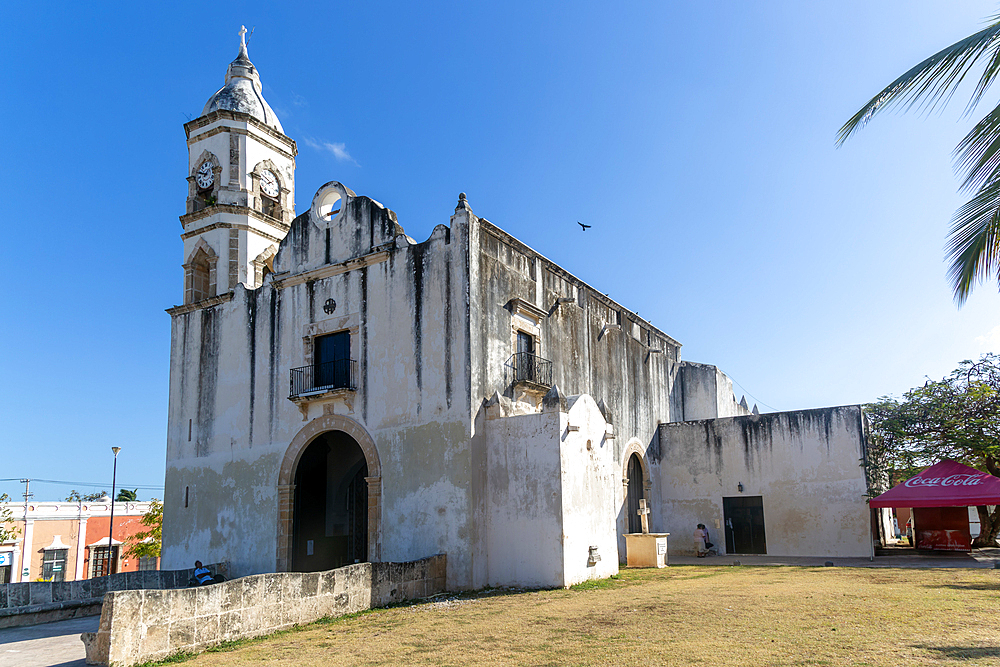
(142, 625)
(31, 602)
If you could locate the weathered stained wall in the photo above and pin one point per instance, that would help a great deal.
(231, 423)
(596, 346)
(591, 486)
(524, 520)
(432, 326)
(705, 392)
(552, 477)
(806, 465)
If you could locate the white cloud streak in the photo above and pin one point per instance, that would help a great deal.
(991, 341)
(338, 151)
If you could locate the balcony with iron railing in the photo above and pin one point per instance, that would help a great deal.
(322, 378)
(528, 370)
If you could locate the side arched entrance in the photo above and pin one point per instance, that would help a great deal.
(329, 497)
(637, 484)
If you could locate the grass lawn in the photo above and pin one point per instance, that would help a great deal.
(704, 615)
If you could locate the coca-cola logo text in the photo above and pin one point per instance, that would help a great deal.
(951, 480)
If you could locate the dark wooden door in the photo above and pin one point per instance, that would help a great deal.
(525, 343)
(524, 360)
(744, 525)
(331, 358)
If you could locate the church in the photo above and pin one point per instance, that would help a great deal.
(340, 392)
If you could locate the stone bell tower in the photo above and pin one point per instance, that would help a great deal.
(241, 187)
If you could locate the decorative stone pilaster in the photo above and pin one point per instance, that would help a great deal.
(237, 272)
(286, 505)
(374, 518)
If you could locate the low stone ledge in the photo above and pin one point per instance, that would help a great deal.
(142, 625)
(51, 611)
(34, 602)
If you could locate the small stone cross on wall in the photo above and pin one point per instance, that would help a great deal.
(643, 513)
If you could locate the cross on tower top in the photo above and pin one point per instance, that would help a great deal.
(242, 33)
(643, 513)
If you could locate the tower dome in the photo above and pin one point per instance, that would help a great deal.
(242, 91)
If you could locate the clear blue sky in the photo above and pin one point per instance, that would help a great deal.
(696, 138)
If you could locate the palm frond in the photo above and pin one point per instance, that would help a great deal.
(989, 73)
(977, 156)
(973, 246)
(936, 78)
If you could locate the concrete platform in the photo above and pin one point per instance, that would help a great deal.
(47, 645)
(892, 557)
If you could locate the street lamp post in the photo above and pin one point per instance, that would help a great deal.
(111, 527)
(25, 566)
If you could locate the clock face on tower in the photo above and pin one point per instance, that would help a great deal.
(205, 176)
(269, 183)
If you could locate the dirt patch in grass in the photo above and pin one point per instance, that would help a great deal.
(679, 616)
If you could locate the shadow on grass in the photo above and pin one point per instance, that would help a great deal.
(963, 652)
(967, 587)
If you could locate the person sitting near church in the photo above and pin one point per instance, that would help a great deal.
(701, 543)
(711, 548)
(202, 575)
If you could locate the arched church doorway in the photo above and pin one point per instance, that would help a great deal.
(635, 492)
(330, 515)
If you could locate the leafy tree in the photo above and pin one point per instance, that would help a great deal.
(7, 531)
(973, 247)
(957, 417)
(126, 496)
(137, 544)
(75, 497)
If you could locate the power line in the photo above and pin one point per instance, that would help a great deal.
(145, 487)
(757, 400)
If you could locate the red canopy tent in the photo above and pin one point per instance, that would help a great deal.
(947, 484)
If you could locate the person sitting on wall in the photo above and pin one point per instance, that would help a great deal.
(202, 575)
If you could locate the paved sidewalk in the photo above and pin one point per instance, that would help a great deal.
(892, 557)
(47, 645)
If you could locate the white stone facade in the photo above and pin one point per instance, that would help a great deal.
(371, 397)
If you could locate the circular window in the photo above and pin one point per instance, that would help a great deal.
(328, 203)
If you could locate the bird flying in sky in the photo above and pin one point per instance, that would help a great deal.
(585, 227)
